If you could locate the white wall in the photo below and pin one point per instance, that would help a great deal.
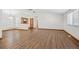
(45, 20)
(73, 30)
(18, 22)
(15, 22)
(25, 14)
(0, 24)
(50, 21)
(8, 22)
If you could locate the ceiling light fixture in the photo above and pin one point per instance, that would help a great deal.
(32, 10)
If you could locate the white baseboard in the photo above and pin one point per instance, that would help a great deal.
(75, 36)
(0, 33)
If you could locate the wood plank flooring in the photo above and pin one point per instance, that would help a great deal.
(37, 39)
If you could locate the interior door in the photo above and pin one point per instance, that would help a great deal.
(31, 23)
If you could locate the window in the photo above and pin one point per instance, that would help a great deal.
(73, 18)
(76, 18)
(70, 19)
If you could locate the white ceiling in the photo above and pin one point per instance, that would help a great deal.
(57, 11)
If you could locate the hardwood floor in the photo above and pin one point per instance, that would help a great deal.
(37, 39)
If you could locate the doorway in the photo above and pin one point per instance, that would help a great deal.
(31, 23)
